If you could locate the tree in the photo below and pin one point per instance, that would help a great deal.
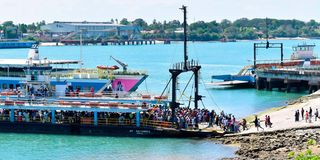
(140, 22)
(10, 30)
(7, 24)
(124, 21)
(32, 28)
(23, 28)
(225, 24)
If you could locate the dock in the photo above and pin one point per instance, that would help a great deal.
(109, 42)
(289, 78)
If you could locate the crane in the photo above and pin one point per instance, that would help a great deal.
(124, 66)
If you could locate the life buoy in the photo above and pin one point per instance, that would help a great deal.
(20, 103)
(113, 104)
(8, 102)
(92, 104)
(160, 97)
(146, 96)
(76, 103)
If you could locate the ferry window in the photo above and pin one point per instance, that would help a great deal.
(17, 85)
(4, 86)
(11, 86)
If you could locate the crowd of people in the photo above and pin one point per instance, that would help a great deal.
(306, 115)
(187, 118)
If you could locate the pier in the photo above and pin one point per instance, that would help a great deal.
(289, 78)
(109, 42)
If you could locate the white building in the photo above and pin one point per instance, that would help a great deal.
(92, 29)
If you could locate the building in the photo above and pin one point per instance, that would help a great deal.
(95, 30)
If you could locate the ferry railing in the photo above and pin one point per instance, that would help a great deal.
(157, 124)
(26, 119)
(5, 117)
(90, 121)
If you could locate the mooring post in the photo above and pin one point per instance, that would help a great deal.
(11, 115)
(53, 116)
(95, 118)
(254, 55)
(281, 54)
(138, 118)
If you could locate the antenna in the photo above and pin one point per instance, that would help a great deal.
(184, 9)
(267, 32)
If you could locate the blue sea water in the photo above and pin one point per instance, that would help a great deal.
(215, 58)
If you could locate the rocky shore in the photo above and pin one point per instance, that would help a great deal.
(272, 145)
(286, 135)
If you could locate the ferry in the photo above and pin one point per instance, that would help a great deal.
(100, 80)
(37, 106)
(303, 56)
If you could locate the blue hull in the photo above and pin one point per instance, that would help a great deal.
(249, 79)
(9, 44)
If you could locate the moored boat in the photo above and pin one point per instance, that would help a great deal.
(302, 56)
(105, 81)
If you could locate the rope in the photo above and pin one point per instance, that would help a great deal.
(146, 86)
(203, 104)
(164, 90)
(186, 87)
(166, 87)
(211, 98)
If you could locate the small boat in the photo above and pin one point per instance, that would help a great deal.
(244, 79)
(115, 67)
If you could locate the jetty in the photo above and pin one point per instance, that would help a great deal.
(288, 78)
(109, 42)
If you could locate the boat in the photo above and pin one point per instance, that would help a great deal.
(5, 44)
(99, 80)
(244, 79)
(302, 56)
(23, 110)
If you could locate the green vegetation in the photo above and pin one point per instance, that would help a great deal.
(239, 29)
(198, 31)
(307, 155)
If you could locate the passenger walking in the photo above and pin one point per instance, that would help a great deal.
(302, 113)
(316, 114)
(244, 124)
(257, 123)
(297, 116)
(310, 114)
(269, 122)
(266, 121)
(307, 115)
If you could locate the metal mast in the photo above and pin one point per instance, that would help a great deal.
(181, 67)
(184, 9)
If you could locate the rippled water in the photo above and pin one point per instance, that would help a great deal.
(32, 146)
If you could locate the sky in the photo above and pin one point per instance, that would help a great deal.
(27, 11)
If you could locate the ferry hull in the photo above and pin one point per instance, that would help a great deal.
(116, 131)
